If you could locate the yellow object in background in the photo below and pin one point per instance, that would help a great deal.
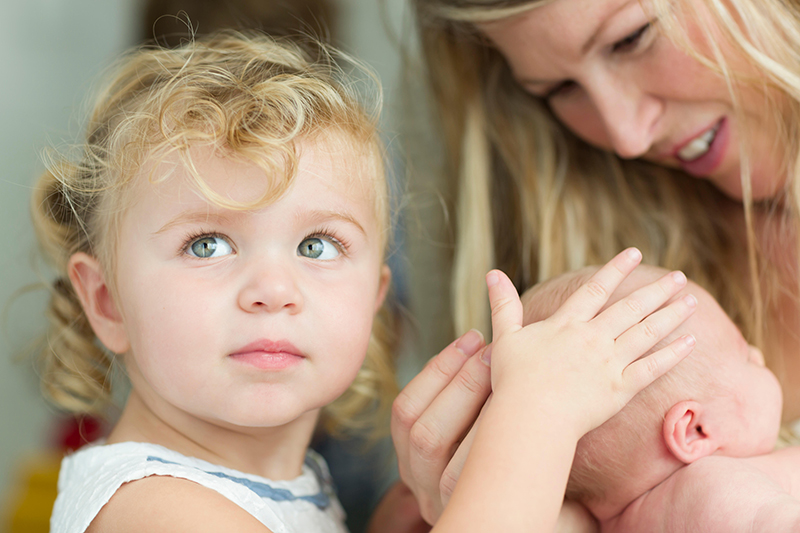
(30, 501)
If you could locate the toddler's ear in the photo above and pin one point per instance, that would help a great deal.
(90, 285)
(685, 434)
(383, 286)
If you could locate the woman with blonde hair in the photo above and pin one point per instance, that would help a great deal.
(575, 128)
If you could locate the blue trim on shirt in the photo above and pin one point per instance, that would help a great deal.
(321, 500)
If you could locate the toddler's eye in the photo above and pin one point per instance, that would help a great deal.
(318, 248)
(209, 246)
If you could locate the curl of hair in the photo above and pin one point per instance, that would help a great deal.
(247, 95)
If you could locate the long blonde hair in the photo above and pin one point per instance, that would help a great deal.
(534, 200)
(248, 95)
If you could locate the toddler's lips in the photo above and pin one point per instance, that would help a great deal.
(269, 355)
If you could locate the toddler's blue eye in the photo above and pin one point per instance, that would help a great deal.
(318, 248)
(209, 246)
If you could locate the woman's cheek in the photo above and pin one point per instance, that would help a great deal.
(581, 118)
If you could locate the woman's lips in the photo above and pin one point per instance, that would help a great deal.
(269, 355)
(699, 145)
(705, 164)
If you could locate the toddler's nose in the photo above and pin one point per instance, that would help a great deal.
(272, 288)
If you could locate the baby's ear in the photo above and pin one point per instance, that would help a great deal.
(685, 434)
(98, 304)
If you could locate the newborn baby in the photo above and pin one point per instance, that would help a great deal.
(693, 451)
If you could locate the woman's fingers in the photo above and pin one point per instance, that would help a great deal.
(436, 435)
(420, 392)
(431, 443)
(590, 298)
(632, 309)
(453, 470)
(505, 304)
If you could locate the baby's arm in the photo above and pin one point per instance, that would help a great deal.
(552, 382)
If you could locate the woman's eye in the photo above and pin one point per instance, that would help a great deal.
(318, 248)
(560, 90)
(630, 42)
(209, 246)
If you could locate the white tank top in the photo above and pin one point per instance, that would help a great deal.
(90, 476)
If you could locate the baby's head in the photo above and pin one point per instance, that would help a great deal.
(165, 119)
(719, 400)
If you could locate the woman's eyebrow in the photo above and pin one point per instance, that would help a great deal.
(601, 26)
(586, 46)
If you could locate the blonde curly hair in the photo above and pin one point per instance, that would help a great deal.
(251, 95)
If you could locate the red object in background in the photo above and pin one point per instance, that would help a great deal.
(30, 500)
(72, 432)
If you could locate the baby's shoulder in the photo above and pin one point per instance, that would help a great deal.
(713, 494)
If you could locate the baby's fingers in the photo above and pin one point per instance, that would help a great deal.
(590, 297)
(505, 304)
(646, 370)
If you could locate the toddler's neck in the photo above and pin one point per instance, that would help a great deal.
(273, 453)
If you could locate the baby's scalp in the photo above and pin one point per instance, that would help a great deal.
(542, 300)
(633, 426)
(247, 96)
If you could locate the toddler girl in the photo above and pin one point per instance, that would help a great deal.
(222, 235)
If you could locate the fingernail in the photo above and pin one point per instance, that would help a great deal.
(690, 300)
(689, 340)
(486, 356)
(492, 278)
(470, 342)
(679, 277)
(634, 253)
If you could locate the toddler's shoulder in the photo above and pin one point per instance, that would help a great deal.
(140, 482)
(90, 476)
(170, 504)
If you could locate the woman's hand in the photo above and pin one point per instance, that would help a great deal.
(397, 512)
(433, 420)
(432, 415)
(553, 381)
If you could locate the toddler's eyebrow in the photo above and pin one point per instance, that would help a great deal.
(315, 216)
(321, 216)
(194, 217)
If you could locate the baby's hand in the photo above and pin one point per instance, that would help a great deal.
(587, 365)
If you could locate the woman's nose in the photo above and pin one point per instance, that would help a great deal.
(271, 287)
(629, 115)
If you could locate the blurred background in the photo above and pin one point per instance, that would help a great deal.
(50, 52)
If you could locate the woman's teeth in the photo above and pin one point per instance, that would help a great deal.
(699, 146)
